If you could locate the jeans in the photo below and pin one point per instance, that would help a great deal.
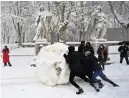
(97, 73)
(126, 58)
(100, 73)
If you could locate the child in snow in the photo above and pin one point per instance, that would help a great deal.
(6, 60)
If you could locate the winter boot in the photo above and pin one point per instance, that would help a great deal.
(97, 89)
(115, 85)
(80, 91)
(9, 64)
(100, 84)
(5, 64)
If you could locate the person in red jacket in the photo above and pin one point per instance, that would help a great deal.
(6, 56)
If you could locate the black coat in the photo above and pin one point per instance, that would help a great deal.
(90, 48)
(90, 64)
(123, 51)
(102, 54)
(94, 62)
(75, 61)
(87, 65)
(81, 49)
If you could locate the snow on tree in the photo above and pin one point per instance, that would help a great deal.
(123, 21)
(22, 16)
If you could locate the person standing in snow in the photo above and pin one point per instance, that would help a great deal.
(102, 55)
(81, 48)
(123, 49)
(89, 48)
(75, 60)
(6, 60)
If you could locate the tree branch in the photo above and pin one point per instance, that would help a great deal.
(14, 25)
(112, 10)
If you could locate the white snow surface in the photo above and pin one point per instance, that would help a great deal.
(23, 51)
(21, 81)
(50, 61)
(113, 49)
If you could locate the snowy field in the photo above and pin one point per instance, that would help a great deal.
(21, 81)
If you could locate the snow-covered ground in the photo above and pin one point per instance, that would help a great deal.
(23, 51)
(21, 81)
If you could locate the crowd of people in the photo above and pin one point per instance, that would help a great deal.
(84, 64)
(102, 52)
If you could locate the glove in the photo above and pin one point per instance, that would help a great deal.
(65, 56)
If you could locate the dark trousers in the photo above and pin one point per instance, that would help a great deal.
(82, 76)
(5, 64)
(102, 63)
(72, 76)
(102, 75)
(126, 58)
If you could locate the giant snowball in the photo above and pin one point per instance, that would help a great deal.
(52, 67)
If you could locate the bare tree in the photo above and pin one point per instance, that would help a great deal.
(122, 25)
(5, 34)
(17, 23)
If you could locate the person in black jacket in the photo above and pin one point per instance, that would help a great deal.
(89, 48)
(98, 72)
(81, 48)
(89, 67)
(102, 55)
(123, 53)
(75, 61)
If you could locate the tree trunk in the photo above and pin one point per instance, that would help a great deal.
(19, 35)
(52, 38)
(62, 30)
(8, 39)
(82, 24)
(48, 6)
(80, 35)
(123, 26)
(84, 37)
(58, 37)
(23, 37)
(63, 11)
(112, 10)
